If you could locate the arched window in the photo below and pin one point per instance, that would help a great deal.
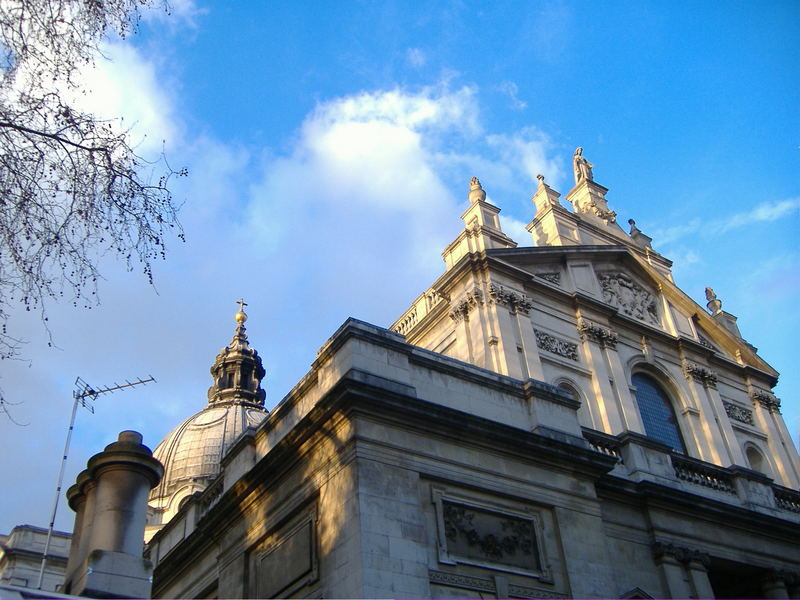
(756, 460)
(657, 413)
(570, 390)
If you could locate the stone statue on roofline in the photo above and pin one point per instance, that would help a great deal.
(581, 167)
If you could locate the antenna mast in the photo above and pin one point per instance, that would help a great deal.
(84, 395)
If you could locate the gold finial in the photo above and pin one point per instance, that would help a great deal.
(240, 317)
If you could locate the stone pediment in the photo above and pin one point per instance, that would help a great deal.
(628, 296)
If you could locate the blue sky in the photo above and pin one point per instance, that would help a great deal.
(329, 148)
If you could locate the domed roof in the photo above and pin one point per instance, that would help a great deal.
(192, 452)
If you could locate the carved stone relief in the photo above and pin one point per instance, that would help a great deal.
(700, 374)
(706, 342)
(594, 332)
(627, 296)
(767, 400)
(564, 348)
(466, 303)
(738, 413)
(554, 278)
(492, 537)
(516, 302)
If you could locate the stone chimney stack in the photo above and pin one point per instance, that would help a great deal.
(110, 503)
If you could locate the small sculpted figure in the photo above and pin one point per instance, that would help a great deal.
(581, 166)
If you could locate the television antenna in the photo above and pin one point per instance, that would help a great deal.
(83, 394)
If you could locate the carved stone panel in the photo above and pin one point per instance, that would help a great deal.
(481, 535)
(738, 413)
(548, 342)
(630, 298)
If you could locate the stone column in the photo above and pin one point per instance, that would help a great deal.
(110, 498)
(773, 585)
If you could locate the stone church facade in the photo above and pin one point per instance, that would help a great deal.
(543, 422)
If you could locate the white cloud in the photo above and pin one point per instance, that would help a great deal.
(416, 57)
(765, 212)
(511, 90)
(124, 88)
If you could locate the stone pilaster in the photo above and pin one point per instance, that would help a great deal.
(596, 342)
(607, 340)
(766, 413)
(702, 383)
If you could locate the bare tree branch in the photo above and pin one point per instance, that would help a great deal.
(72, 188)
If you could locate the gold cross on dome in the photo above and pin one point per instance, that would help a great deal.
(241, 304)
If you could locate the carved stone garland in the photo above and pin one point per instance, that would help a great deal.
(467, 302)
(594, 332)
(767, 400)
(516, 302)
(564, 348)
(622, 292)
(700, 374)
(738, 413)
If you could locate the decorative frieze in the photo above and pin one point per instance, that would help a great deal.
(462, 581)
(767, 400)
(554, 278)
(516, 302)
(596, 333)
(467, 302)
(483, 584)
(627, 296)
(548, 342)
(738, 413)
(662, 550)
(700, 374)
